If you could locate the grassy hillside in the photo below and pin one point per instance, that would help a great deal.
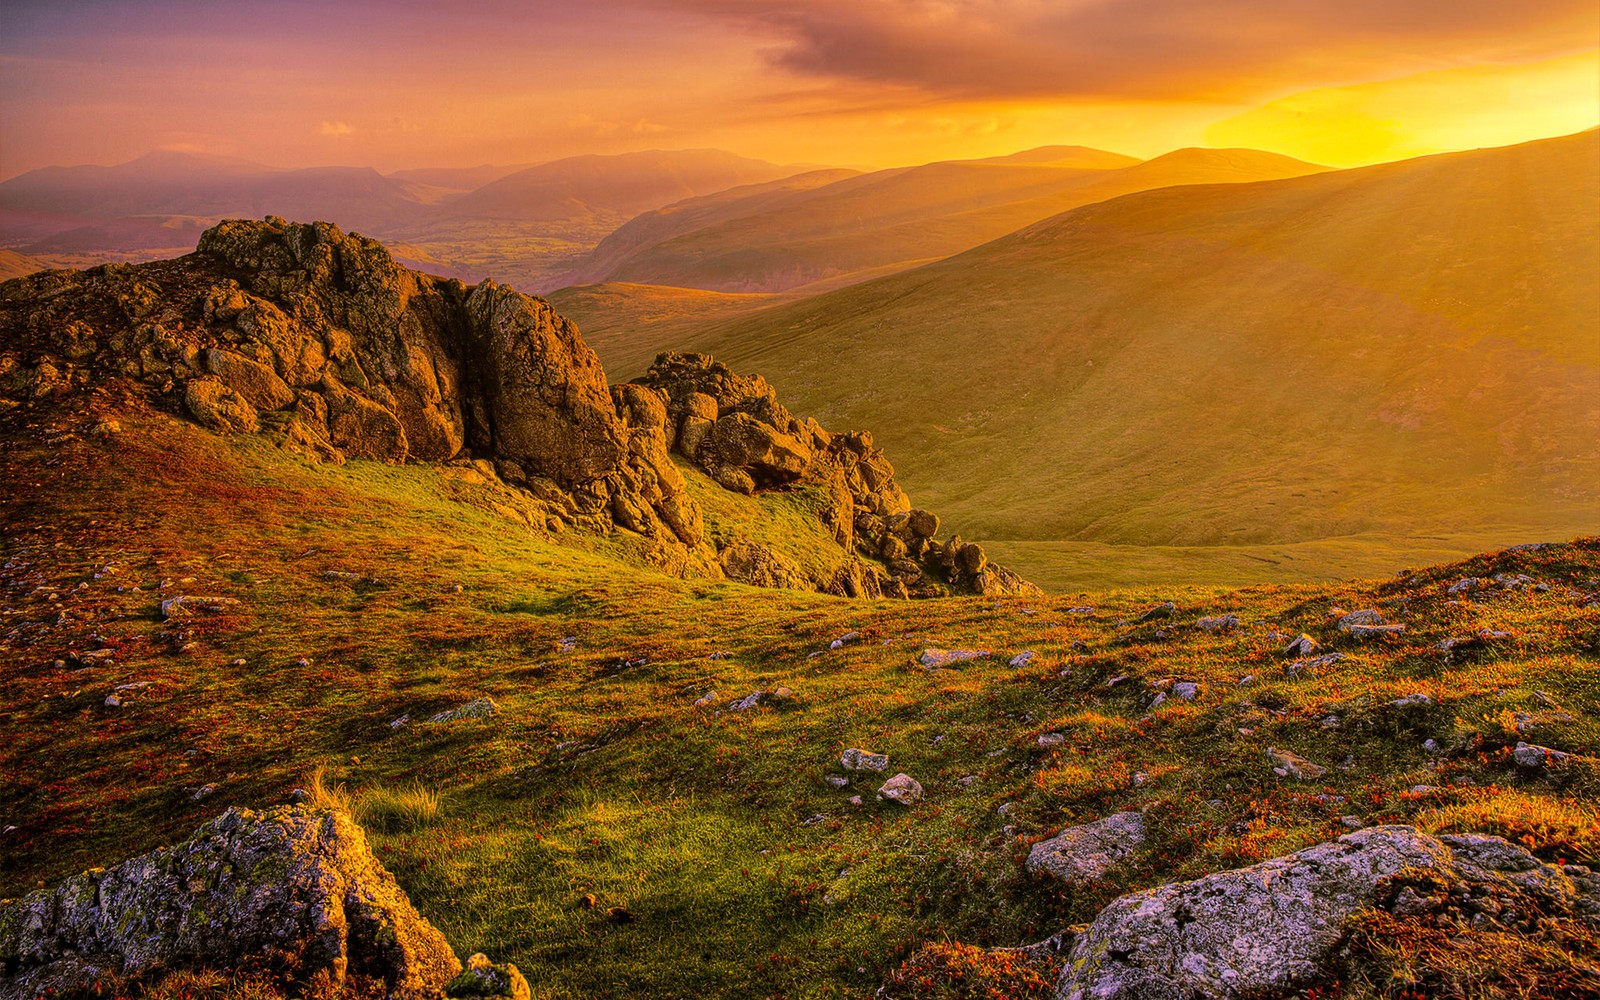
(371, 592)
(862, 225)
(628, 325)
(1398, 353)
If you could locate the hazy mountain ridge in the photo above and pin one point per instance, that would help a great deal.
(1385, 348)
(899, 217)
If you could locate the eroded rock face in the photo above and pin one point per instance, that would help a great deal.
(733, 428)
(1274, 927)
(288, 887)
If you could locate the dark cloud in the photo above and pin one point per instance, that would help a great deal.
(1143, 48)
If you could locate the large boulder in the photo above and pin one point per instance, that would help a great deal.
(288, 888)
(1271, 928)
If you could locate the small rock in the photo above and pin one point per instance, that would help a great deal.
(1463, 585)
(836, 780)
(484, 979)
(1418, 700)
(1310, 667)
(902, 789)
(706, 700)
(113, 701)
(1022, 659)
(404, 720)
(1353, 822)
(855, 759)
(855, 800)
(204, 792)
(1219, 623)
(1052, 740)
(1303, 646)
(177, 607)
(936, 658)
(480, 708)
(1088, 852)
(1532, 757)
(1186, 690)
(1422, 789)
(1430, 745)
(1354, 618)
(1375, 631)
(1289, 763)
(844, 640)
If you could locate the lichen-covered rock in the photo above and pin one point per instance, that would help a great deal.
(902, 789)
(1087, 852)
(287, 888)
(483, 979)
(856, 759)
(1271, 928)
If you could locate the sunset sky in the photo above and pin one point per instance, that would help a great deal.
(407, 83)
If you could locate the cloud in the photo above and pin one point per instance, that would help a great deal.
(1146, 49)
(336, 129)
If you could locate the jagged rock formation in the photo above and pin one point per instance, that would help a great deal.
(733, 427)
(289, 889)
(317, 338)
(1272, 928)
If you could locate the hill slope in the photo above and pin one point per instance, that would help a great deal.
(1404, 349)
(901, 217)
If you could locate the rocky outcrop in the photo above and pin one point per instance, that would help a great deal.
(733, 428)
(319, 339)
(289, 889)
(1271, 928)
(1088, 852)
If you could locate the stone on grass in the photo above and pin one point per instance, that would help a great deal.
(854, 759)
(1022, 659)
(1417, 700)
(844, 640)
(902, 789)
(1289, 764)
(1163, 610)
(1186, 690)
(1219, 623)
(1303, 646)
(1354, 618)
(295, 885)
(483, 979)
(1375, 631)
(1085, 853)
(1533, 757)
(1310, 667)
(177, 607)
(480, 708)
(935, 658)
(1275, 927)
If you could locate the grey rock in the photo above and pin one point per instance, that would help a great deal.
(1088, 852)
(178, 607)
(902, 789)
(1288, 764)
(291, 882)
(855, 759)
(1418, 700)
(1219, 623)
(480, 708)
(1267, 929)
(935, 658)
(1164, 610)
(836, 781)
(1052, 740)
(483, 979)
(844, 640)
(1186, 690)
(1354, 618)
(1310, 667)
(1303, 646)
(1022, 659)
(1375, 631)
(1533, 757)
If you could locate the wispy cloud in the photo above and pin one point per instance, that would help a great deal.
(336, 129)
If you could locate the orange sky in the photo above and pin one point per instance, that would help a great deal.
(404, 83)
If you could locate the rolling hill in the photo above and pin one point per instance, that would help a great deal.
(862, 226)
(1401, 352)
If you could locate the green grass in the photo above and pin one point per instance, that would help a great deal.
(744, 872)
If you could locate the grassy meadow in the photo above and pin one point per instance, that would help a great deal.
(612, 839)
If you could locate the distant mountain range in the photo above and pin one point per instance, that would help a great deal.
(1385, 350)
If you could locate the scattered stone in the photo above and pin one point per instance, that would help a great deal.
(855, 800)
(756, 699)
(1532, 757)
(113, 700)
(706, 700)
(1085, 853)
(1186, 690)
(854, 759)
(204, 792)
(177, 607)
(566, 644)
(1418, 700)
(1164, 610)
(844, 640)
(480, 708)
(296, 886)
(1219, 623)
(1354, 618)
(1052, 740)
(1272, 928)
(836, 780)
(1303, 646)
(1423, 789)
(1463, 585)
(404, 720)
(1288, 764)
(1353, 822)
(902, 789)
(1022, 659)
(483, 979)
(936, 658)
(1247, 680)
(1375, 631)
(814, 819)
(1310, 667)
(1431, 745)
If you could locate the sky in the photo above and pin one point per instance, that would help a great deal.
(865, 83)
